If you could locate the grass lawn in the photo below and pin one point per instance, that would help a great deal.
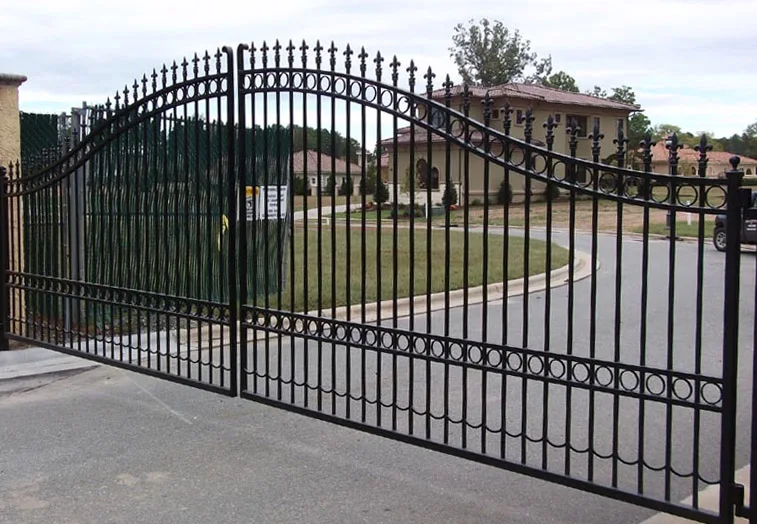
(352, 280)
(312, 201)
(683, 229)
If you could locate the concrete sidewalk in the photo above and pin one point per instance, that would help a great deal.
(29, 362)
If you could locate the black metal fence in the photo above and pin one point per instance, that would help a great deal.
(569, 336)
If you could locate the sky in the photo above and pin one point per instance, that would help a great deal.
(691, 63)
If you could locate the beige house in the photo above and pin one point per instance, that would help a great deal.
(306, 166)
(544, 101)
(688, 162)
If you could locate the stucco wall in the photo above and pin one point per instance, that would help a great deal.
(10, 151)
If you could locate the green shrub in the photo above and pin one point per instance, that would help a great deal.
(505, 193)
(551, 192)
(347, 186)
(381, 193)
(300, 186)
(449, 198)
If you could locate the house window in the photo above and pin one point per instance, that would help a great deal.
(749, 171)
(423, 174)
(495, 114)
(437, 118)
(312, 181)
(519, 117)
(558, 117)
(580, 122)
(693, 171)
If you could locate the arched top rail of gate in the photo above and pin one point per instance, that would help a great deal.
(202, 78)
(289, 69)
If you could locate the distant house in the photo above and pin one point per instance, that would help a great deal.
(430, 160)
(306, 166)
(688, 162)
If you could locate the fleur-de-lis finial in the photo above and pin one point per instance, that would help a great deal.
(135, 86)
(487, 102)
(304, 50)
(646, 144)
(163, 76)
(362, 56)
(621, 142)
(395, 64)
(174, 69)
(596, 137)
(703, 148)
(448, 85)
(196, 65)
(411, 75)
(218, 56)
(126, 95)
(429, 76)
(672, 145)
(144, 86)
(252, 55)
(277, 53)
(348, 52)
(184, 65)
(378, 61)
(290, 54)
(318, 48)
(507, 121)
(206, 62)
(264, 56)
(332, 55)
(550, 126)
(573, 129)
(154, 77)
(528, 129)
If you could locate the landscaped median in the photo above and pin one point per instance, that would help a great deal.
(401, 257)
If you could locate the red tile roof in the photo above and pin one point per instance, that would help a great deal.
(691, 156)
(312, 163)
(538, 93)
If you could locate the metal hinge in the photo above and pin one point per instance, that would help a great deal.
(740, 509)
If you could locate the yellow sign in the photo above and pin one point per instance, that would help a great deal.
(248, 191)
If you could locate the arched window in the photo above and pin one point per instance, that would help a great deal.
(749, 171)
(693, 171)
(434, 178)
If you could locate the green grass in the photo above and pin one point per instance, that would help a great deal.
(356, 280)
(683, 229)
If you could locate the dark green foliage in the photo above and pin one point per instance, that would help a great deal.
(381, 193)
(300, 186)
(551, 192)
(505, 193)
(449, 198)
(330, 186)
(347, 186)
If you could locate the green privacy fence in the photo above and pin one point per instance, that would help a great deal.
(150, 214)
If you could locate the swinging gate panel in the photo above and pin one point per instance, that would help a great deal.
(540, 336)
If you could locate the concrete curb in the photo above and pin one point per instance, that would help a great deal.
(495, 293)
(33, 362)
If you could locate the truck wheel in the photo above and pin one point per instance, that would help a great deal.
(718, 239)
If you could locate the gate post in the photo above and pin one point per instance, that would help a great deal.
(734, 206)
(4, 266)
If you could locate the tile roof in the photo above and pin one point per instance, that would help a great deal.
(538, 93)
(691, 156)
(298, 159)
(403, 137)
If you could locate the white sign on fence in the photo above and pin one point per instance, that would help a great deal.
(270, 202)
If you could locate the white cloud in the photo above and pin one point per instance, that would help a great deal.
(690, 62)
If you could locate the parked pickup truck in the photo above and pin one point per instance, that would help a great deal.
(748, 229)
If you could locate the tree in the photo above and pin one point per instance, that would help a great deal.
(662, 131)
(622, 94)
(598, 92)
(381, 193)
(561, 80)
(489, 54)
(330, 185)
(347, 186)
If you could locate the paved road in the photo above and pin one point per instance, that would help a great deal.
(111, 446)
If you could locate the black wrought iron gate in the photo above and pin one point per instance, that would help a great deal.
(458, 277)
